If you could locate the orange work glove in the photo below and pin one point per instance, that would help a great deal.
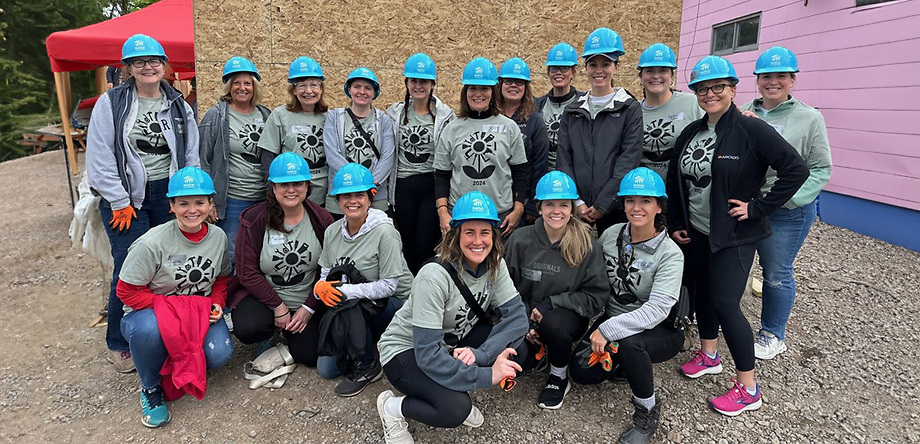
(374, 190)
(329, 293)
(121, 219)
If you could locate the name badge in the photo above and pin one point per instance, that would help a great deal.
(779, 128)
(276, 239)
(644, 265)
(674, 117)
(497, 128)
(258, 121)
(532, 275)
(300, 129)
(175, 260)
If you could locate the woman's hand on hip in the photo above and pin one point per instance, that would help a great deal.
(738, 209)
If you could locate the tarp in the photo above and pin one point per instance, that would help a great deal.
(89, 47)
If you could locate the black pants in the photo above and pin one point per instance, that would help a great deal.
(719, 280)
(614, 216)
(254, 322)
(427, 401)
(417, 218)
(635, 357)
(559, 330)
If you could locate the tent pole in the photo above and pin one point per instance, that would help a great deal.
(100, 79)
(60, 80)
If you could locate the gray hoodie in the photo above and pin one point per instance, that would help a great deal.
(384, 139)
(442, 116)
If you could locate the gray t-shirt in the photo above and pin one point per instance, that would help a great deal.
(552, 116)
(376, 254)
(662, 126)
(436, 303)
(245, 180)
(696, 166)
(146, 137)
(167, 263)
(289, 261)
(357, 148)
(415, 145)
(300, 133)
(479, 153)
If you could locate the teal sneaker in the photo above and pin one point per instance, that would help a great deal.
(153, 407)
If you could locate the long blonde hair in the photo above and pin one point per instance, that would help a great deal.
(448, 250)
(575, 244)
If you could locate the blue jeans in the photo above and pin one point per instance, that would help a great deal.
(154, 211)
(149, 353)
(328, 366)
(231, 221)
(777, 252)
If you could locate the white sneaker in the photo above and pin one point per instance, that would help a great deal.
(395, 430)
(767, 345)
(474, 419)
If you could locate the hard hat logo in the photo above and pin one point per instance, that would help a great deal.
(421, 66)
(478, 71)
(189, 179)
(639, 182)
(291, 168)
(557, 186)
(595, 41)
(303, 65)
(704, 69)
(478, 206)
(138, 44)
(346, 179)
(559, 54)
(659, 55)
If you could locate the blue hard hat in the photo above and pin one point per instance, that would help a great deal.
(352, 178)
(556, 185)
(712, 67)
(237, 65)
(657, 54)
(420, 66)
(474, 205)
(562, 54)
(289, 167)
(480, 71)
(363, 74)
(304, 66)
(140, 45)
(603, 41)
(777, 59)
(190, 181)
(642, 182)
(515, 68)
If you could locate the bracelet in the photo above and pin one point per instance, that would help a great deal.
(276, 317)
(439, 207)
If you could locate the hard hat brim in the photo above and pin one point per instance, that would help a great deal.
(289, 179)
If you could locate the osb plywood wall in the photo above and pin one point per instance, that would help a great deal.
(381, 34)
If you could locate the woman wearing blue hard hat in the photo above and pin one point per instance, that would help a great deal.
(360, 134)
(600, 139)
(718, 215)
(644, 268)
(665, 112)
(130, 155)
(515, 99)
(277, 253)
(561, 64)
(559, 270)
(420, 119)
(230, 133)
(803, 127)
(297, 126)
(363, 281)
(482, 150)
(174, 288)
(441, 345)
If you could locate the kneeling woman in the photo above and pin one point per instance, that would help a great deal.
(437, 348)
(645, 268)
(166, 334)
(559, 270)
(277, 250)
(363, 281)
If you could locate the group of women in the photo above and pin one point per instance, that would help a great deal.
(286, 226)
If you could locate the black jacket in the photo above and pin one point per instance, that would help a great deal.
(536, 145)
(744, 148)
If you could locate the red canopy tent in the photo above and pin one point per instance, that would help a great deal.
(99, 45)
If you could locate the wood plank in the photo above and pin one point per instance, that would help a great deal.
(888, 99)
(807, 23)
(850, 139)
(896, 122)
(895, 165)
(897, 190)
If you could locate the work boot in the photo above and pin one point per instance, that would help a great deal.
(645, 422)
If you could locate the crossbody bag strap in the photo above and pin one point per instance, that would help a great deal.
(467, 294)
(364, 134)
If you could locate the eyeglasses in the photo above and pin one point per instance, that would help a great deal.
(139, 63)
(509, 82)
(560, 68)
(303, 86)
(716, 89)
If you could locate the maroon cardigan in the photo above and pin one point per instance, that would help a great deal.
(249, 278)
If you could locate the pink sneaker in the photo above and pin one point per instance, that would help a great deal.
(701, 365)
(736, 400)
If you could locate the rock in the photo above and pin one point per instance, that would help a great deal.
(699, 428)
(252, 433)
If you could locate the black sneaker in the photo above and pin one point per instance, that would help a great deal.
(359, 377)
(554, 392)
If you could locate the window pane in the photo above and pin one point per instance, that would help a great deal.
(722, 38)
(747, 31)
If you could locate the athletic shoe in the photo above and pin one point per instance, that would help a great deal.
(474, 419)
(736, 400)
(767, 345)
(121, 360)
(554, 392)
(359, 377)
(395, 430)
(153, 407)
(701, 364)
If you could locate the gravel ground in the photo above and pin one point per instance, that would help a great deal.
(848, 375)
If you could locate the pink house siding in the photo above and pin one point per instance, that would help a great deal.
(860, 67)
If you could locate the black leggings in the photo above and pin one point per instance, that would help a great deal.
(719, 280)
(427, 401)
(559, 330)
(254, 322)
(417, 218)
(635, 357)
